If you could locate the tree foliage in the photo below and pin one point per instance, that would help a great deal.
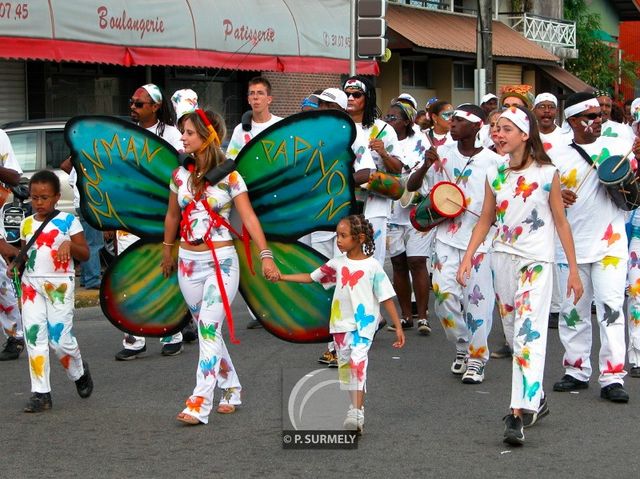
(597, 62)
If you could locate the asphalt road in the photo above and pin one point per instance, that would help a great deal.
(421, 421)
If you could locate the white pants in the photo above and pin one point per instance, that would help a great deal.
(47, 312)
(634, 302)
(604, 282)
(466, 313)
(10, 318)
(523, 291)
(200, 289)
(559, 290)
(379, 237)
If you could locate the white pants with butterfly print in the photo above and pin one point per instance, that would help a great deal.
(634, 302)
(604, 282)
(199, 286)
(10, 318)
(47, 314)
(523, 291)
(466, 313)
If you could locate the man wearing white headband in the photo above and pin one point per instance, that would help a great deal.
(601, 252)
(465, 312)
(611, 128)
(150, 111)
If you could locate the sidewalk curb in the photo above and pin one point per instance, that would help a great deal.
(86, 298)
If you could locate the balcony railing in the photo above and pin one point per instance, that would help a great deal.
(549, 33)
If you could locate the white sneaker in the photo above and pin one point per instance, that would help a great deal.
(423, 327)
(474, 373)
(459, 366)
(354, 420)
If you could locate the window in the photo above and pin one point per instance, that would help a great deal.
(463, 76)
(25, 146)
(415, 73)
(57, 150)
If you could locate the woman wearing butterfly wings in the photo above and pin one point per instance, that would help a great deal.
(531, 204)
(199, 211)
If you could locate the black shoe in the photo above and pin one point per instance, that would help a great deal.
(503, 352)
(39, 402)
(84, 384)
(553, 320)
(12, 349)
(634, 372)
(254, 324)
(530, 418)
(406, 323)
(569, 383)
(190, 333)
(172, 349)
(129, 354)
(513, 430)
(615, 393)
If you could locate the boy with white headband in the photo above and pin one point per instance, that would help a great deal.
(464, 311)
(611, 128)
(525, 200)
(601, 251)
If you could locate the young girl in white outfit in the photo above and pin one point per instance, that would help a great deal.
(525, 200)
(208, 269)
(361, 286)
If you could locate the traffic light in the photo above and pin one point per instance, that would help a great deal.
(371, 28)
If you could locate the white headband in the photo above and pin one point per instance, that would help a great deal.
(580, 107)
(545, 97)
(466, 115)
(154, 92)
(518, 117)
(353, 83)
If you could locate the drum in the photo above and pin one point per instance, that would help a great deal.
(446, 200)
(622, 185)
(387, 185)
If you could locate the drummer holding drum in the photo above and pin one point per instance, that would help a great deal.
(597, 223)
(454, 188)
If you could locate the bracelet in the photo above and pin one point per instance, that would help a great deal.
(266, 253)
(168, 244)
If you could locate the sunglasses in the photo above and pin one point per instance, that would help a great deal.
(355, 94)
(390, 118)
(138, 104)
(592, 116)
(447, 115)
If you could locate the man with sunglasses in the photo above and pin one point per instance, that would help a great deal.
(601, 251)
(150, 111)
(611, 128)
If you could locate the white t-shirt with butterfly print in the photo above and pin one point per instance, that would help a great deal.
(240, 137)
(41, 258)
(361, 285)
(558, 137)
(411, 151)
(597, 224)
(470, 174)
(525, 226)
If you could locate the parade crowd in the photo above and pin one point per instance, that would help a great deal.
(498, 205)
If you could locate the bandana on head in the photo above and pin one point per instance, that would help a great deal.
(518, 117)
(154, 92)
(580, 107)
(545, 97)
(213, 135)
(465, 115)
(599, 93)
(408, 110)
(635, 109)
(353, 83)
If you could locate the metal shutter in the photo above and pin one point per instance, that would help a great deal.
(507, 74)
(13, 94)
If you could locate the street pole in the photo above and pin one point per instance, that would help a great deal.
(352, 32)
(484, 56)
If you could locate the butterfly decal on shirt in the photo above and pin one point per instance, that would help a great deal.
(528, 333)
(609, 132)
(476, 261)
(419, 148)
(356, 339)
(570, 180)
(328, 274)
(454, 226)
(577, 364)
(28, 293)
(614, 368)
(6, 309)
(610, 315)
(349, 278)
(610, 261)
(31, 260)
(523, 304)
(440, 164)
(4, 288)
(64, 225)
(529, 390)
(634, 289)
(336, 314)
(503, 308)
(501, 178)
(441, 297)
(501, 209)
(46, 239)
(55, 330)
(186, 268)
(57, 264)
(523, 359)
(473, 324)
(436, 262)
(362, 318)
(476, 295)
(530, 274)
(572, 318)
(55, 293)
(634, 261)
(546, 146)
(37, 365)
(525, 189)
(194, 403)
(462, 176)
(609, 236)
(208, 366)
(31, 334)
(510, 235)
(207, 331)
(534, 221)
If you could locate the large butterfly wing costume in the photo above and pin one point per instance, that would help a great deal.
(299, 176)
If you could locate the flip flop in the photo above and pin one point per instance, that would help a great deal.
(226, 409)
(188, 419)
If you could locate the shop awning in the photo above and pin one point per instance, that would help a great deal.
(443, 33)
(263, 35)
(566, 78)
